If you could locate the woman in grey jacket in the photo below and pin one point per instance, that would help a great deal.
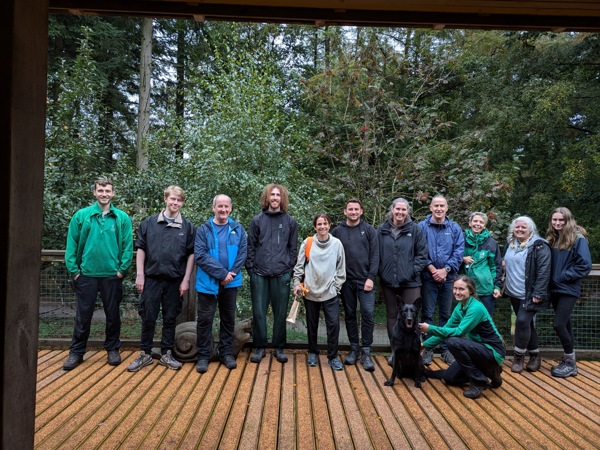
(571, 263)
(319, 280)
(527, 262)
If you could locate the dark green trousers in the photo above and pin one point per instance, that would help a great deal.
(265, 291)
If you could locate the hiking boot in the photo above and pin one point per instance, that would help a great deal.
(365, 359)
(72, 361)
(114, 358)
(474, 391)
(534, 363)
(312, 359)
(335, 363)
(141, 361)
(229, 362)
(517, 365)
(280, 355)
(496, 377)
(259, 354)
(566, 368)
(202, 366)
(428, 357)
(448, 357)
(351, 357)
(167, 360)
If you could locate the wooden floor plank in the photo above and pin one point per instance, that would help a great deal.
(293, 406)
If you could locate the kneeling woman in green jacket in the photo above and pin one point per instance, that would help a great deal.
(473, 340)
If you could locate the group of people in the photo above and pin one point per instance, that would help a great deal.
(433, 260)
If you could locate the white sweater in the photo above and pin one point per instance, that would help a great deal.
(325, 271)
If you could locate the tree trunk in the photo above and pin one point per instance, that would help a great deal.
(144, 105)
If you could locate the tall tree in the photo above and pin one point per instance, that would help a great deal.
(144, 96)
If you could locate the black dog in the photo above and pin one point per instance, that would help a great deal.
(406, 345)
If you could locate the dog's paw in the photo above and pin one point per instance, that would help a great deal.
(389, 382)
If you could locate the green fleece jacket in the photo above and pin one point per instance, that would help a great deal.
(473, 322)
(99, 245)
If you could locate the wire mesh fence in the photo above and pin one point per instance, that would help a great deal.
(57, 310)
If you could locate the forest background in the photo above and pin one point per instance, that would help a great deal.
(501, 122)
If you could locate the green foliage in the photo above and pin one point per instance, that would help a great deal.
(502, 122)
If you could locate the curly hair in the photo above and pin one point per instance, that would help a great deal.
(264, 198)
(565, 238)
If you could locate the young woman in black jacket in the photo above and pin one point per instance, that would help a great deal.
(571, 263)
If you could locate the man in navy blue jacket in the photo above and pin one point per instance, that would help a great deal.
(362, 261)
(446, 245)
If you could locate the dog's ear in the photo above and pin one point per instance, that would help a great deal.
(419, 302)
(399, 300)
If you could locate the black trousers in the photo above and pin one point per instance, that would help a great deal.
(86, 291)
(474, 362)
(331, 310)
(207, 306)
(159, 294)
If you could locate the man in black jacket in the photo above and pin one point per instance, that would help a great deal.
(362, 261)
(272, 251)
(164, 260)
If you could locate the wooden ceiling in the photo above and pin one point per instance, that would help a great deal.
(540, 15)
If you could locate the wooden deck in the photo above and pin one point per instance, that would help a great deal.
(292, 406)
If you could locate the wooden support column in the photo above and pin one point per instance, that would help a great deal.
(23, 52)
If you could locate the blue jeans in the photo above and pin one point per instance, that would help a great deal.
(207, 306)
(352, 296)
(489, 302)
(111, 293)
(440, 294)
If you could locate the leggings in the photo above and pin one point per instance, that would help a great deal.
(526, 337)
(563, 308)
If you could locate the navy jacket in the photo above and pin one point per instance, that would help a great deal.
(570, 267)
(446, 246)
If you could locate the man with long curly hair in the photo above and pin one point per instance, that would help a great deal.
(272, 251)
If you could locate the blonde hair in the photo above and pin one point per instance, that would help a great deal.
(530, 227)
(174, 190)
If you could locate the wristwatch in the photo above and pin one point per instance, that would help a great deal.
(448, 269)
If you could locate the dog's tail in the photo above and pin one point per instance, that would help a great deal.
(435, 374)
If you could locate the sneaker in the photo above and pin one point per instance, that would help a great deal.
(141, 361)
(496, 377)
(280, 355)
(448, 357)
(114, 358)
(167, 360)
(259, 354)
(229, 362)
(365, 359)
(312, 359)
(474, 391)
(428, 357)
(567, 368)
(350, 359)
(202, 366)
(72, 361)
(335, 363)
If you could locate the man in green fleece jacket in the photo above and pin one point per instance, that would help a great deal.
(98, 253)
